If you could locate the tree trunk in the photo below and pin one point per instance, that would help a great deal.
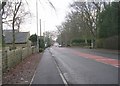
(0, 26)
(13, 41)
(14, 16)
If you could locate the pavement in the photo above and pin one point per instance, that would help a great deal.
(47, 72)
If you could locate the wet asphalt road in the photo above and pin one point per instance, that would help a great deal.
(80, 70)
(75, 67)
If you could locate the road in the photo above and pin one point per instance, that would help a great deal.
(86, 66)
(79, 66)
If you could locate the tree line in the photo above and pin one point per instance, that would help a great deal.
(89, 21)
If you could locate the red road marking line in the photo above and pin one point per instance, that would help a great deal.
(101, 59)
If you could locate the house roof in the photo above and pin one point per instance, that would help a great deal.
(20, 37)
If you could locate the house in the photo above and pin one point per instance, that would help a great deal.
(21, 39)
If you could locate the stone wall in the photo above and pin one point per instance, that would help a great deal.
(13, 57)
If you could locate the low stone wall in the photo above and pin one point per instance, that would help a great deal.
(13, 57)
(25, 52)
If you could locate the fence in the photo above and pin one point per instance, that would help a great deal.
(109, 43)
(13, 57)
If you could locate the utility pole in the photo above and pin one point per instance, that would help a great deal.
(40, 27)
(40, 34)
(44, 35)
(37, 25)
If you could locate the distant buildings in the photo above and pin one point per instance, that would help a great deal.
(21, 39)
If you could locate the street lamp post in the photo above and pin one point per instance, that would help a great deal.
(37, 25)
(40, 34)
(40, 28)
(44, 35)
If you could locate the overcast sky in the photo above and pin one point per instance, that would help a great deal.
(49, 17)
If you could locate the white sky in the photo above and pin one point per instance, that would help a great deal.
(49, 17)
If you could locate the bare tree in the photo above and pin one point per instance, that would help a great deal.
(14, 15)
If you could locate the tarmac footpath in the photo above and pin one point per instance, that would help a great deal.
(47, 72)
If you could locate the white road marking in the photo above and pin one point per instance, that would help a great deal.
(33, 76)
(60, 72)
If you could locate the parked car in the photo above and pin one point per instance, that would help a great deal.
(60, 45)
